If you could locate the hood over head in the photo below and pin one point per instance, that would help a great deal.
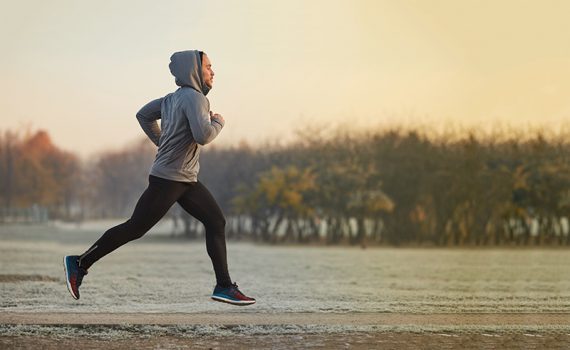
(186, 66)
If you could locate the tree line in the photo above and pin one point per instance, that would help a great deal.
(385, 187)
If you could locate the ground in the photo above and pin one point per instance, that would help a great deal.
(154, 293)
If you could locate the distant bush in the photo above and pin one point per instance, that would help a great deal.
(400, 187)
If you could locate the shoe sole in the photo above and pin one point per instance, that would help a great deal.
(233, 302)
(67, 279)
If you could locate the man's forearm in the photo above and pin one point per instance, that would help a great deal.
(147, 117)
(151, 129)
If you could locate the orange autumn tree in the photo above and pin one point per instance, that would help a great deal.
(33, 171)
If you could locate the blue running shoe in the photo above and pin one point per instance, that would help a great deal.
(231, 295)
(73, 274)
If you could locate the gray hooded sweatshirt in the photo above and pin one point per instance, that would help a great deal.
(185, 121)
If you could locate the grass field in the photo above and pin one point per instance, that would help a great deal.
(301, 292)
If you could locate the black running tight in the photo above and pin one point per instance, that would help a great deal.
(160, 195)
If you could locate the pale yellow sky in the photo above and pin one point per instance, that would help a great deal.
(82, 69)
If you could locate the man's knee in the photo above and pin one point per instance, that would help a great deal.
(136, 229)
(217, 225)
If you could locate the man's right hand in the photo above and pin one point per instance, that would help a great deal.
(217, 116)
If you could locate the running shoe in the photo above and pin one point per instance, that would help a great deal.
(231, 295)
(73, 274)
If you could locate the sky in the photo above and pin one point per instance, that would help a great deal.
(82, 69)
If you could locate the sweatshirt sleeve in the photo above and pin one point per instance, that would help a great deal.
(204, 129)
(147, 117)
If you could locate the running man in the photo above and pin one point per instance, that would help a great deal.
(186, 124)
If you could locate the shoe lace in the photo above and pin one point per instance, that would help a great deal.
(236, 289)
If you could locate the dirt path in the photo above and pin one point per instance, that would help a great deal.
(360, 341)
(354, 319)
(429, 331)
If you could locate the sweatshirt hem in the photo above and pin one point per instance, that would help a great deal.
(174, 175)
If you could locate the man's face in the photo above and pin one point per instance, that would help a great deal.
(207, 72)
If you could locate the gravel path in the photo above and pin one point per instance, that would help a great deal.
(360, 341)
(350, 319)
